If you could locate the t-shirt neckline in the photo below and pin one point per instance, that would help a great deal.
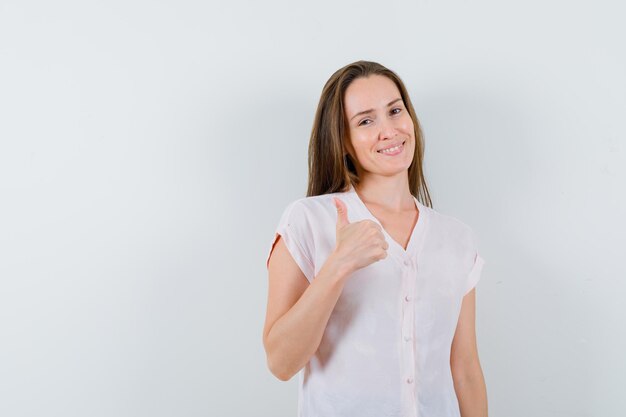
(417, 234)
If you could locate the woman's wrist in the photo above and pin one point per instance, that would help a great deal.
(338, 267)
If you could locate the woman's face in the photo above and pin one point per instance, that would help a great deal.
(385, 125)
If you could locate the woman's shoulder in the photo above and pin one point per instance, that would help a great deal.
(447, 222)
(313, 210)
(317, 203)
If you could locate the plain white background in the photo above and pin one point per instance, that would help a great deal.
(148, 149)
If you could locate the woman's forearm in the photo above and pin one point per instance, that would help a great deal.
(471, 392)
(295, 337)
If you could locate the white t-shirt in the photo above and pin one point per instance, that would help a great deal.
(385, 351)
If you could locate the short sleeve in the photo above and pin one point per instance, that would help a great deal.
(295, 230)
(474, 275)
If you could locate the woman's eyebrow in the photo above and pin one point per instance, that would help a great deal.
(371, 110)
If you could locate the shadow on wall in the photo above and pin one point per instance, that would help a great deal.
(486, 156)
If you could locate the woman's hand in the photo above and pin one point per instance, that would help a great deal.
(358, 244)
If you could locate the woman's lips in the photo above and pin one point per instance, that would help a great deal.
(398, 149)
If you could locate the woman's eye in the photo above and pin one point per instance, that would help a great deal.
(393, 111)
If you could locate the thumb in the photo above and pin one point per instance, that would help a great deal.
(342, 213)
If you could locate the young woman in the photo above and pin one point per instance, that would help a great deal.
(371, 291)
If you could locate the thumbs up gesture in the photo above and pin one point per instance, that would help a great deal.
(359, 244)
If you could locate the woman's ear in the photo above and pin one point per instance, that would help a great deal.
(347, 148)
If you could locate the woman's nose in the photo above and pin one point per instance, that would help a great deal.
(387, 128)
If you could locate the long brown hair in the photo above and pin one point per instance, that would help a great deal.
(329, 170)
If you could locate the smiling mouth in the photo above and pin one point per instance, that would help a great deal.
(393, 151)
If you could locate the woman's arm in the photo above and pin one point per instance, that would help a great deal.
(467, 374)
(297, 312)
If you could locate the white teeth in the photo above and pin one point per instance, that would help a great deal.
(395, 148)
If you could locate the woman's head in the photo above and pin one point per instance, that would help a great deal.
(345, 139)
(380, 136)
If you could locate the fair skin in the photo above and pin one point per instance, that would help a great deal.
(297, 312)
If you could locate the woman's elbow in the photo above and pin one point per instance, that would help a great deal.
(279, 372)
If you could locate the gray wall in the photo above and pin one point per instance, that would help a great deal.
(147, 150)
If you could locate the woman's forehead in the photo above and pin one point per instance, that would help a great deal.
(370, 93)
